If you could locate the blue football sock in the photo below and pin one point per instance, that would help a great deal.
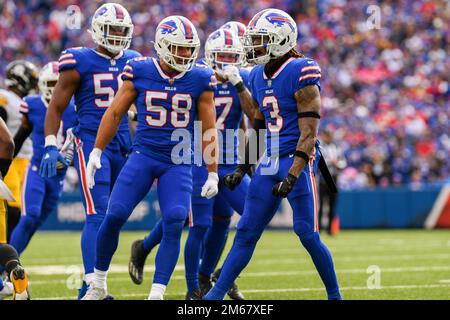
(215, 240)
(108, 240)
(168, 251)
(238, 258)
(89, 242)
(192, 251)
(23, 232)
(1, 283)
(155, 236)
(82, 290)
(323, 262)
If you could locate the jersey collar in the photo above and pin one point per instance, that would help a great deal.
(281, 68)
(163, 74)
(108, 57)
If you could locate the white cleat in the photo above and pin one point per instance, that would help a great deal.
(7, 290)
(155, 297)
(95, 293)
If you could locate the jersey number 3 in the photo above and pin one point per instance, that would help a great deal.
(271, 101)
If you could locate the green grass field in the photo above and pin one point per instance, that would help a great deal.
(413, 264)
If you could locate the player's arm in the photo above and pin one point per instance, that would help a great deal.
(108, 127)
(6, 148)
(210, 147)
(22, 134)
(233, 179)
(66, 86)
(308, 107)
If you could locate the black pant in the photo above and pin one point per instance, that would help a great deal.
(325, 196)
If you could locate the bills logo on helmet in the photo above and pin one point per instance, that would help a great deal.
(168, 27)
(279, 20)
(215, 35)
(101, 11)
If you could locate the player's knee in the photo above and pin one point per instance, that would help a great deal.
(176, 213)
(302, 228)
(246, 238)
(30, 223)
(119, 211)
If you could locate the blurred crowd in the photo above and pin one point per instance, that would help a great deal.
(385, 69)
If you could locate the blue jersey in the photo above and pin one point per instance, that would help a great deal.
(165, 104)
(276, 100)
(99, 82)
(35, 109)
(229, 116)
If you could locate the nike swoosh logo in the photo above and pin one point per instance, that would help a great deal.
(309, 62)
(291, 155)
(46, 156)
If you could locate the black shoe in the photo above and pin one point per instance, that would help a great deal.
(233, 292)
(109, 297)
(197, 294)
(137, 261)
(204, 282)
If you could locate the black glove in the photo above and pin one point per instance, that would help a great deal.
(232, 180)
(282, 189)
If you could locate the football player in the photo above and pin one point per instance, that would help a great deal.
(9, 259)
(21, 80)
(285, 94)
(169, 93)
(92, 76)
(40, 195)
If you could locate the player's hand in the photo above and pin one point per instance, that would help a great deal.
(231, 73)
(51, 156)
(211, 186)
(232, 180)
(282, 189)
(94, 163)
(67, 150)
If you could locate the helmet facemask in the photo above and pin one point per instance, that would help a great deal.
(259, 47)
(114, 37)
(170, 53)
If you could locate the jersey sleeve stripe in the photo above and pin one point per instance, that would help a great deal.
(310, 76)
(129, 75)
(65, 56)
(72, 61)
(311, 68)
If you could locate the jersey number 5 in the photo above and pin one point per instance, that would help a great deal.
(105, 90)
(179, 116)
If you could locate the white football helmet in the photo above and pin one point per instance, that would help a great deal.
(48, 74)
(112, 27)
(176, 32)
(223, 48)
(271, 29)
(236, 27)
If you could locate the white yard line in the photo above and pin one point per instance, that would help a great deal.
(393, 287)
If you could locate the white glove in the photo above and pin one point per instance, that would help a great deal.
(211, 186)
(231, 73)
(94, 163)
(67, 149)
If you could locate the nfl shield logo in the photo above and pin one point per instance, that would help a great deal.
(171, 81)
(113, 62)
(269, 83)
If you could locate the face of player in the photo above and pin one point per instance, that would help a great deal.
(259, 45)
(118, 31)
(181, 52)
(226, 57)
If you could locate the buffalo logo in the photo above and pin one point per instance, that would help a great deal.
(101, 11)
(279, 20)
(168, 27)
(215, 35)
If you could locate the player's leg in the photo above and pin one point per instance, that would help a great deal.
(216, 236)
(174, 193)
(95, 202)
(199, 221)
(129, 189)
(303, 200)
(13, 181)
(9, 259)
(140, 249)
(33, 195)
(260, 206)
